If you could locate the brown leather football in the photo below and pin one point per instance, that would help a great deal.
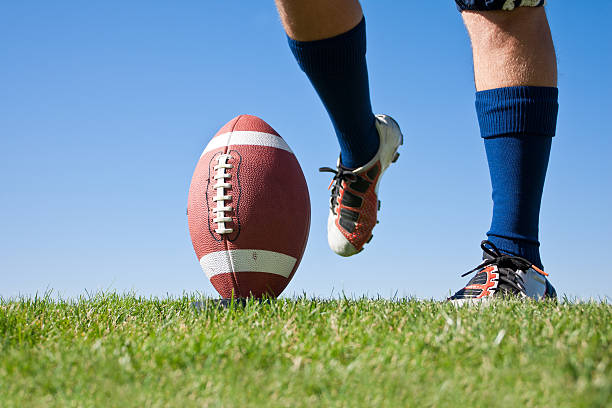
(248, 210)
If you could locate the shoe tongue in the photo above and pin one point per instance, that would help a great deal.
(486, 256)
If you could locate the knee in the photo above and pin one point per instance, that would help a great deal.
(525, 21)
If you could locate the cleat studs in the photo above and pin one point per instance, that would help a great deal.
(395, 157)
(378, 205)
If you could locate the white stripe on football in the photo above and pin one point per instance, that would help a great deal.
(242, 137)
(247, 260)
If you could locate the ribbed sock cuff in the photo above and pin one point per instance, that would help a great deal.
(331, 55)
(527, 250)
(517, 109)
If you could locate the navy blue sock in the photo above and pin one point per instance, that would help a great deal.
(517, 124)
(337, 69)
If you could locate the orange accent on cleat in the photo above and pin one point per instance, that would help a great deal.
(538, 270)
(354, 193)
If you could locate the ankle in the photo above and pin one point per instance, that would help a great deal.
(518, 247)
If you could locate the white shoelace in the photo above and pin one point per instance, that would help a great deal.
(221, 196)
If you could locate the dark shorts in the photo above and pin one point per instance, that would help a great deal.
(483, 5)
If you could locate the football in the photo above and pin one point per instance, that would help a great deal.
(248, 210)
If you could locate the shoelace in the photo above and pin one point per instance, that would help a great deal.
(340, 174)
(221, 197)
(507, 265)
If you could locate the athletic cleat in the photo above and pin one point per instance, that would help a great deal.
(504, 275)
(354, 196)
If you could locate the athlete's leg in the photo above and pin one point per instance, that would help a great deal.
(328, 41)
(318, 19)
(515, 73)
(511, 48)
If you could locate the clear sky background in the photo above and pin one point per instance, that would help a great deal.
(105, 108)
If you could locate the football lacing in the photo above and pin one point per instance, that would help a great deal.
(221, 196)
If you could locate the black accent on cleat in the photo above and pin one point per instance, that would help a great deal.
(348, 219)
(369, 239)
(351, 200)
(360, 185)
(372, 173)
(349, 214)
(395, 157)
(349, 226)
(378, 205)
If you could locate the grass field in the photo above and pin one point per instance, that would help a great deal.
(123, 351)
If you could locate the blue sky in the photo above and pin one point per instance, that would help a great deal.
(105, 109)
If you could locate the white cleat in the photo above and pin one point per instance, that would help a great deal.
(354, 198)
(504, 275)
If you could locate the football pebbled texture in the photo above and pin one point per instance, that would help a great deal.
(248, 210)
